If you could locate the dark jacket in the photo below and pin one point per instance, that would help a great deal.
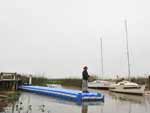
(85, 75)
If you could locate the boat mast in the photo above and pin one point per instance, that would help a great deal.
(127, 46)
(102, 72)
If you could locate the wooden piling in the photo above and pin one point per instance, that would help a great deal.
(30, 79)
(149, 82)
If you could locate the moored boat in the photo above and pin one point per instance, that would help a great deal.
(128, 88)
(99, 84)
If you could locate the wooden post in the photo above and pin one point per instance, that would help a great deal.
(14, 77)
(149, 82)
(13, 86)
(1, 76)
(30, 79)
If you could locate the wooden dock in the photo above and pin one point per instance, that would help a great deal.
(9, 81)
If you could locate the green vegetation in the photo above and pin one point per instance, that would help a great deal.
(43, 81)
(10, 95)
(67, 82)
(64, 82)
(40, 81)
(139, 80)
(7, 97)
(13, 96)
(76, 82)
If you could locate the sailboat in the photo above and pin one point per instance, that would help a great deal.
(100, 84)
(127, 87)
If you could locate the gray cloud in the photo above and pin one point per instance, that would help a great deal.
(58, 37)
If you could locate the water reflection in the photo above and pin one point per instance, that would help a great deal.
(130, 101)
(84, 108)
(32, 103)
(126, 97)
(86, 105)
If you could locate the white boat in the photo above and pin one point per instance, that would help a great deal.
(128, 88)
(99, 84)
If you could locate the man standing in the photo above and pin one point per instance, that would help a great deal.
(85, 77)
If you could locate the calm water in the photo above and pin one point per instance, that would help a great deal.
(114, 103)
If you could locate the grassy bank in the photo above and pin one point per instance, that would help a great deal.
(76, 82)
(64, 82)
(43, 81)
(67, 82)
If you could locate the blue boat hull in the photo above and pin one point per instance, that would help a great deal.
(72, 95)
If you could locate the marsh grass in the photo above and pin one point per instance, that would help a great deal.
(13, 96)
(77, 82)
(68, 82)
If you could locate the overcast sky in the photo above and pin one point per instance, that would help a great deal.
(57, 37)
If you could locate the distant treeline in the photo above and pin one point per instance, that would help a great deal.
(77, 82)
